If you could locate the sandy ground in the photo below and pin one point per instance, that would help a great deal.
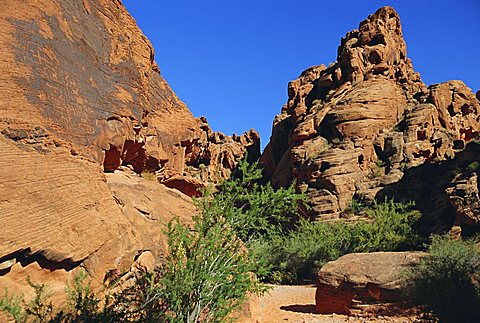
(297, 304)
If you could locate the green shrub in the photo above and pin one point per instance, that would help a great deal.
(12, 305)
(205, 277)
(392, 228)
(207, 273)
(255, 210)
(38, 309)
(285, 249)
(84, 306)
(297, 256)
(447, 282)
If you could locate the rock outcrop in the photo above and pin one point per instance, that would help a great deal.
(355, 127)
(351, 283)
(81, 95)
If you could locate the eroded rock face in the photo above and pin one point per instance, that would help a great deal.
(210, 160)
(352, 128)
(82, 95)
(81, 75)
(352, 282)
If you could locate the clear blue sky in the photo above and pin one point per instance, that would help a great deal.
(231, 60)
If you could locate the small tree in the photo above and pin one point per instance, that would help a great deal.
(392, 228)
(207, 273)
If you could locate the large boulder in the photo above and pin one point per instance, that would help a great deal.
(355, 127)
(351, 283)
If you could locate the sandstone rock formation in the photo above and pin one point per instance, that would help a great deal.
(352, 282)
(355, 127)
(81, 95)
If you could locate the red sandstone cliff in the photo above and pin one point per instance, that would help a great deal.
(82, 94)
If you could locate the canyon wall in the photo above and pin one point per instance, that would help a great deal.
(84, 110)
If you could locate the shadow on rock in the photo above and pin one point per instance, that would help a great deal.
(439, 191)
(300, 308)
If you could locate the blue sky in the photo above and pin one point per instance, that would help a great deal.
(231, 60)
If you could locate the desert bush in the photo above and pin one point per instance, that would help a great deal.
(83, 305)
(206, 275)
(254, 210)
(12, 305)
(38, 309)
(391, 228)
(297, 256)
(287, 249)
(447, 281)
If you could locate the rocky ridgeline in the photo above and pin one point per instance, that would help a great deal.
(366, 127)
(81, 95)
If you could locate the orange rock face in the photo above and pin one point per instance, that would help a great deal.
(353, 128)
(82, 95)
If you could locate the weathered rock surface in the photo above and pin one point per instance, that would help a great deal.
(81, 95)
(352, 282)
(62, 215)
(355, 127)
(148, 206)
(80, 75)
